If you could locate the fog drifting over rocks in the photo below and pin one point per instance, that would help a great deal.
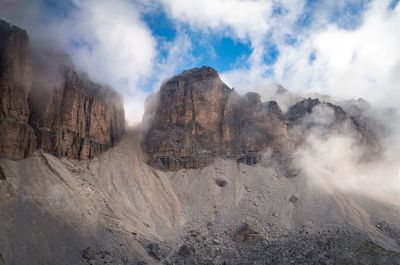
(339, 162)
(111, 42)
(353, 56)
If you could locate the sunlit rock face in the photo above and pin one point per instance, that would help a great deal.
(200, 118)
(55, 108)
(17, 139)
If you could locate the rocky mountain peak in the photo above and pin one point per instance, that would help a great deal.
(10, 28)
(54, 108)
(204, 72)
(280, 90)
(200, 118)
(301, 108)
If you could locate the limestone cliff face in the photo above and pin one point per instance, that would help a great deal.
(78, 119)
(200, 118)
(17, 139)
(187, 126)
(251, 126)
(67, 115)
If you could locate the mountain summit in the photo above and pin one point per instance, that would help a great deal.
(210, 177)
(53, 108)
(199, 118)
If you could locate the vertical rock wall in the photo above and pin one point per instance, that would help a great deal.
(17, 139)
(199, 118)
(78, 119)
(67, 114)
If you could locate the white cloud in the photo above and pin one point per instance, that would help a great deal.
(250, 21)
(122, 49)
(359, 61)
(106, 39)
(179, 54)
(363, 62)
(244, 18)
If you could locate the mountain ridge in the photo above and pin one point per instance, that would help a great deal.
(73, 116)
(199, 118)
(209, 177)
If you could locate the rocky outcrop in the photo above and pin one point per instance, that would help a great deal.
(321, 119)
(187, 127)
(17, 139)
(55, 109)
(313, 116)
(257, 125)
(79, 119)
(199, 118)
(283, 97)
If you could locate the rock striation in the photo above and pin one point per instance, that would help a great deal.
(17, 138)
(79, 118)
(199, 118)
(53, 108)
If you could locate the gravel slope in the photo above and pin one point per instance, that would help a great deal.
(115, 209)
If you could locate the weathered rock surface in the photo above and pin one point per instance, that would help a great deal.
(316, 118)
(199, 118)
(67, 114)
(17, 139)
(78, 119)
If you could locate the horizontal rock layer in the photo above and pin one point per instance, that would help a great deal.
(199, 118)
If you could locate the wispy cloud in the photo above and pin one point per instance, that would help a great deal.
(346, 48)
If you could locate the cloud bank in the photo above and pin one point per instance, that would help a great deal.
(362, 62)
(343, 48)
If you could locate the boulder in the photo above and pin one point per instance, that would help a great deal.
(244, 233)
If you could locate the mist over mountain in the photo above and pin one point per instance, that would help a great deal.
(213, 174)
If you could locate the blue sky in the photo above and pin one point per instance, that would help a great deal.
(217, 50)
(346, 48)
(223, 51)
